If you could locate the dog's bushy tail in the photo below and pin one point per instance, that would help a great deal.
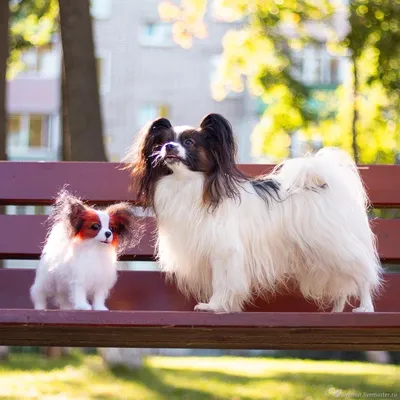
(330, 168)
(334, 177)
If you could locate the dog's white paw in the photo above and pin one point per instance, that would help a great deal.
(203, 307)
(83, 307)
(208, 307)
(100, 307)
(362, 310)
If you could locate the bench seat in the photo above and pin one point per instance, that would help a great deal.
(148, 312)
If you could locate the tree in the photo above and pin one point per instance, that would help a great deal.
(32, 24)
(260, 54)
(4, 15)
(81, 95)
(375, 28)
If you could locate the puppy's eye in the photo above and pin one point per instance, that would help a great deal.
(95, 227)
(112, 229)
(188, 142)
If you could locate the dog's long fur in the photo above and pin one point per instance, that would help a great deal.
(79, 263)
(225, 237)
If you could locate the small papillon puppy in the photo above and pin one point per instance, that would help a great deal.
(226, 237)
(79, 259)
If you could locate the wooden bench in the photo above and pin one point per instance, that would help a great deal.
(146, 312)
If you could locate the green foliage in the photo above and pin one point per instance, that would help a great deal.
(32, 22)
(377, 23)
(258, 53)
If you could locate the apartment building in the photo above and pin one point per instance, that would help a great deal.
(144, 74)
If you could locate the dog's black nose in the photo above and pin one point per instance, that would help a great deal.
(108, 234)
(169, 147)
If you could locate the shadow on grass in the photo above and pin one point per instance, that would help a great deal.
(308, 383)
(152, 379)
(33, 362)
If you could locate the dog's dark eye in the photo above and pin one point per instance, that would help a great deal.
(188, 142)
(95, 227)
(112, 229)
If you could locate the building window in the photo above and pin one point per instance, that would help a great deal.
(150, 112)
(36, 59)
(101, 9)
(314, 65)
(28, 131)
(156, 34)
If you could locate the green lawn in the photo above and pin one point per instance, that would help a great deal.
(78, 377)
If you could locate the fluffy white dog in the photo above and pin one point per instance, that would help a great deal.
(226, 237)
(79, 259)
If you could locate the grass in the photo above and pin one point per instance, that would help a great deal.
(27, 376)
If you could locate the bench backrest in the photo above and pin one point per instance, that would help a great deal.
(36, 183)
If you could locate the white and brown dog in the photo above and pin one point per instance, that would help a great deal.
(79, 259)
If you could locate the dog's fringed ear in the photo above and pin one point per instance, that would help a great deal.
(142, 156)
(220, 135)
(70, 210)
(160, 123)
(223, 180)
(125, 225)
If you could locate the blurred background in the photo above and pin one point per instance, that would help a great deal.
(79, 78)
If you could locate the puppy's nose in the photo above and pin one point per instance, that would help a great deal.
(170, 147)
(107, 234)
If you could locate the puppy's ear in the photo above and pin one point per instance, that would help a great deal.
(225, 176)
(125, 225)
(144, 169)
(70, 210)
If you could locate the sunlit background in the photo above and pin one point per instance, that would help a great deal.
(291, 76)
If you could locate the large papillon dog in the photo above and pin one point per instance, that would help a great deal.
(226, 237)
(78, 265)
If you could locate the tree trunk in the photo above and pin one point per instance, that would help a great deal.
(81, 95)
(4, 16)
(355, 112)
(65, 135)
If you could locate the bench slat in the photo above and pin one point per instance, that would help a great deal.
(148, 291)
(38, 182)
(26, 233)
(348, 331)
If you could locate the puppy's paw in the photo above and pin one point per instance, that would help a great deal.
(100, 307)
(83, 307)
(362, 310)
